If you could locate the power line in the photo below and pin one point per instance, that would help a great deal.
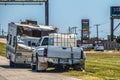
(101, 24)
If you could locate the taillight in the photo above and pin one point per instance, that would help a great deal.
(81, 55)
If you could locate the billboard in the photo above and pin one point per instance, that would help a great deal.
(115, 11)
(23, 0)
(85, 28)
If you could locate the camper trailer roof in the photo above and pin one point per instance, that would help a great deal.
(36, 27)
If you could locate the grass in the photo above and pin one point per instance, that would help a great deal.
(100, 66)
(2, 49)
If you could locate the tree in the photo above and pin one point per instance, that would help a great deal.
(85, 38)
(118, 39)
(109, 37)
(93, 38)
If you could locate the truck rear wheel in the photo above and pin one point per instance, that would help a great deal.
(62, 68)
(79, 67)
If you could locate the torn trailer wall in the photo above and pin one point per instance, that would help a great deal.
(34, 32)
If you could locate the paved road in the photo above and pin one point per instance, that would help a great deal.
(7, 73)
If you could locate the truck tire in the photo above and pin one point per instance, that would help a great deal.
(38, 66)
(33, 67)
(62, 68)
(12, 64)
(66, 68)
(79, 67)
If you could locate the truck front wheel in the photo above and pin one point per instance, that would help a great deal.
(12, 64)
(41, 66)
(33, 67)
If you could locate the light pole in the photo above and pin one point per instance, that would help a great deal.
(72, 30)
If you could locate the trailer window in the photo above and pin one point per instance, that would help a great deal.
(14, 41)
(10, 41)
(29, 43)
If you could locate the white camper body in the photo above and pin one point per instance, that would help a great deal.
(58, 50)
(22, 39)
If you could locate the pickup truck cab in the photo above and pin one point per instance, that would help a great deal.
(59, 51)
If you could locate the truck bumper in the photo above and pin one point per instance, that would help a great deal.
(67, 61)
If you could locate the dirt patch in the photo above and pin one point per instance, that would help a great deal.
(2, 78)
(26, 73)
(3, 40)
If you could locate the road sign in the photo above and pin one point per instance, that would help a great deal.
(115, 11)
(115, 14)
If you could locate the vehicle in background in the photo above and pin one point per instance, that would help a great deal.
(99, 47)
(87, 47)
(58, 50)
(22, 38)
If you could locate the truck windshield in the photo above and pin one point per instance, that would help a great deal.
(45, 41)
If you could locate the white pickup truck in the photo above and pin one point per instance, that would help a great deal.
(59, 51)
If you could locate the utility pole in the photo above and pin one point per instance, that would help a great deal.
(97, 31)
(47, 12)
(74, 28)
(69, 30)
(112, 29)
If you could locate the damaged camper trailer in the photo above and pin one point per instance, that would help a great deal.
(22, 38)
